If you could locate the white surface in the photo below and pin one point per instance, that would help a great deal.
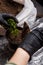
(37, 58)
(27, 14)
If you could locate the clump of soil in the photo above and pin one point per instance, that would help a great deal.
(16, 39)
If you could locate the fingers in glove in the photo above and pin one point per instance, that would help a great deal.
(4, 23)
(7, 16)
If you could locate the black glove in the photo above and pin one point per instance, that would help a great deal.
(40, 2)
(4, 17)
(33, 41)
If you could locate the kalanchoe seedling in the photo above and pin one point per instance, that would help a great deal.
(13, 27)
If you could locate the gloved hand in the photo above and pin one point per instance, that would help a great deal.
(33, 41)
(4, 17)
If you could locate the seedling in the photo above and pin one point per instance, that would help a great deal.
(13, 27)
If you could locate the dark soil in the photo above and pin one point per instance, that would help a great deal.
(7, 7)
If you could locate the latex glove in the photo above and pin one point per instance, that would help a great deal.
(4, 17)
(27, 14)
(33, 41)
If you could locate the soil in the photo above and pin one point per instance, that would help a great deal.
(9, 7)
(15, 39)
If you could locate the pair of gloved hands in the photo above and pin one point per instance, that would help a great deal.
(32, 42)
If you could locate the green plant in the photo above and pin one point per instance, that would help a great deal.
(13, 27)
